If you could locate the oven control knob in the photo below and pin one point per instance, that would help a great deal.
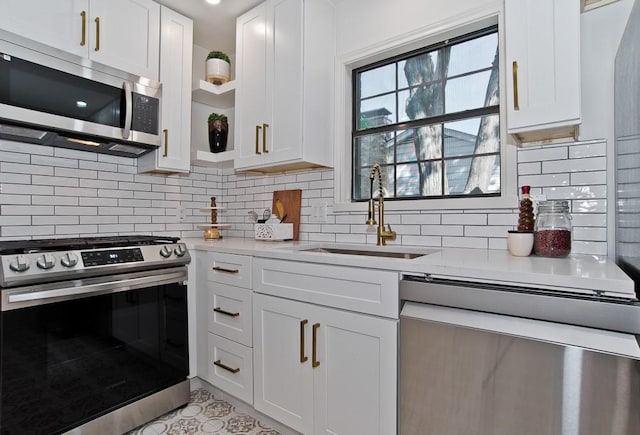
(69, 260)
(180, 250)
(165, 251)
(46, 261)
(19, 264)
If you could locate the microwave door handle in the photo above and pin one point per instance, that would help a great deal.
(126, 130)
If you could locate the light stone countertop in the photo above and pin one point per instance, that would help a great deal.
(576, 273)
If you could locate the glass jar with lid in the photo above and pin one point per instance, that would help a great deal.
(552, 233)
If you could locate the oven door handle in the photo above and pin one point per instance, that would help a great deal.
(108, 285)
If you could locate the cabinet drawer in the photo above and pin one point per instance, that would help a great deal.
(230, 312)
(231, 367)
(229, 269)
(368, 291)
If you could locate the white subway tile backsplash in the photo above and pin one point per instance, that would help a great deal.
(20, 168)
(587, 178)
(542, 153)
(465, 242)
(69, 192)
(575, 165)
(442, 230)
(54, 200)
(426, 219)
(545, 180)
(14, 199)
(579, 151)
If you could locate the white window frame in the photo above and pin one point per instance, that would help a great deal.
(429, 35)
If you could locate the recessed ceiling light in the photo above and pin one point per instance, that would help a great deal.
(213, 2)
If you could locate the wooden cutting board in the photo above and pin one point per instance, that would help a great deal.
(289, 202)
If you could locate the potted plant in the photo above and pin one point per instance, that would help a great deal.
(217, 67)
(218, 132)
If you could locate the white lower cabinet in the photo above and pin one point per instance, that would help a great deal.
(322, 370)
(231, 367)
(225, 320)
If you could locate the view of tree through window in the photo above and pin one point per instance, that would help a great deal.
(431, 119)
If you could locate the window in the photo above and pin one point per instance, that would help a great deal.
(431, 119)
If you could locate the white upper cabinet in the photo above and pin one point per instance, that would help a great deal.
(123, 34)
(543, 69)
(176, 51)
(284, 72)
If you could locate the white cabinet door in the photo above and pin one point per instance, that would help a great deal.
(283, 377)
(543, 68)
(176, 44)
(284, 73)
(355, 382)
(251, 97)
(129, 35)
(58, 24)
(324, 371)
(123, 34)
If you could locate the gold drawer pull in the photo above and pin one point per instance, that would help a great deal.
(227, 313)
(83, 41)
(166, 143)
(97, 20)
(224, 269)
(264, 138)
(303, 357)
(314, 357)
(516, 105)
(257, 139)
(222, 366)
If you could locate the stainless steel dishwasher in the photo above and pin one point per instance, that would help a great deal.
(482, 359)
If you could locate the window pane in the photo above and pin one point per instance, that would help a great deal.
(457, 175)
(377, 111)
(461, 137)
(429, 140)
(474, 176)
(408, 180)
(378, 81)
(373, 148)
(421, 102)
(468, 92)
(431, 179)
(361, 184)
(420, 69)
(473, 55)
(406, 146)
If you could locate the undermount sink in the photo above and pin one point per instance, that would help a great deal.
(381, 252)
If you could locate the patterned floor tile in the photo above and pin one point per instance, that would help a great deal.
(204, 415)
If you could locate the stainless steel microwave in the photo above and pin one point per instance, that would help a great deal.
(52, 101)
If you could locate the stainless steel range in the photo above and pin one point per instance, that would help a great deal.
(93, 333)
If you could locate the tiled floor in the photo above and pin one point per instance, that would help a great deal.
(205, 415)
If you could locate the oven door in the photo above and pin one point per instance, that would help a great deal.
(76, 350)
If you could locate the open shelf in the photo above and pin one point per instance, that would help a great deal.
(206, 157)
(221, 96)
(213, 225)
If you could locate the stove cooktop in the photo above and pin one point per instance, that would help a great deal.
(80, 243)
(25, 262)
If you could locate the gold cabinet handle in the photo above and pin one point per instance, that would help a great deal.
(224, 269)
(303, 357)
(226, 313)
(83, 41)
(257, 138)
(166, 142)
(516, 105)
(97, 20)
(314, 337)
(264, 138)
(226, 367)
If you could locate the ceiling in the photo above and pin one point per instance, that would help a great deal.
(214, 27)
